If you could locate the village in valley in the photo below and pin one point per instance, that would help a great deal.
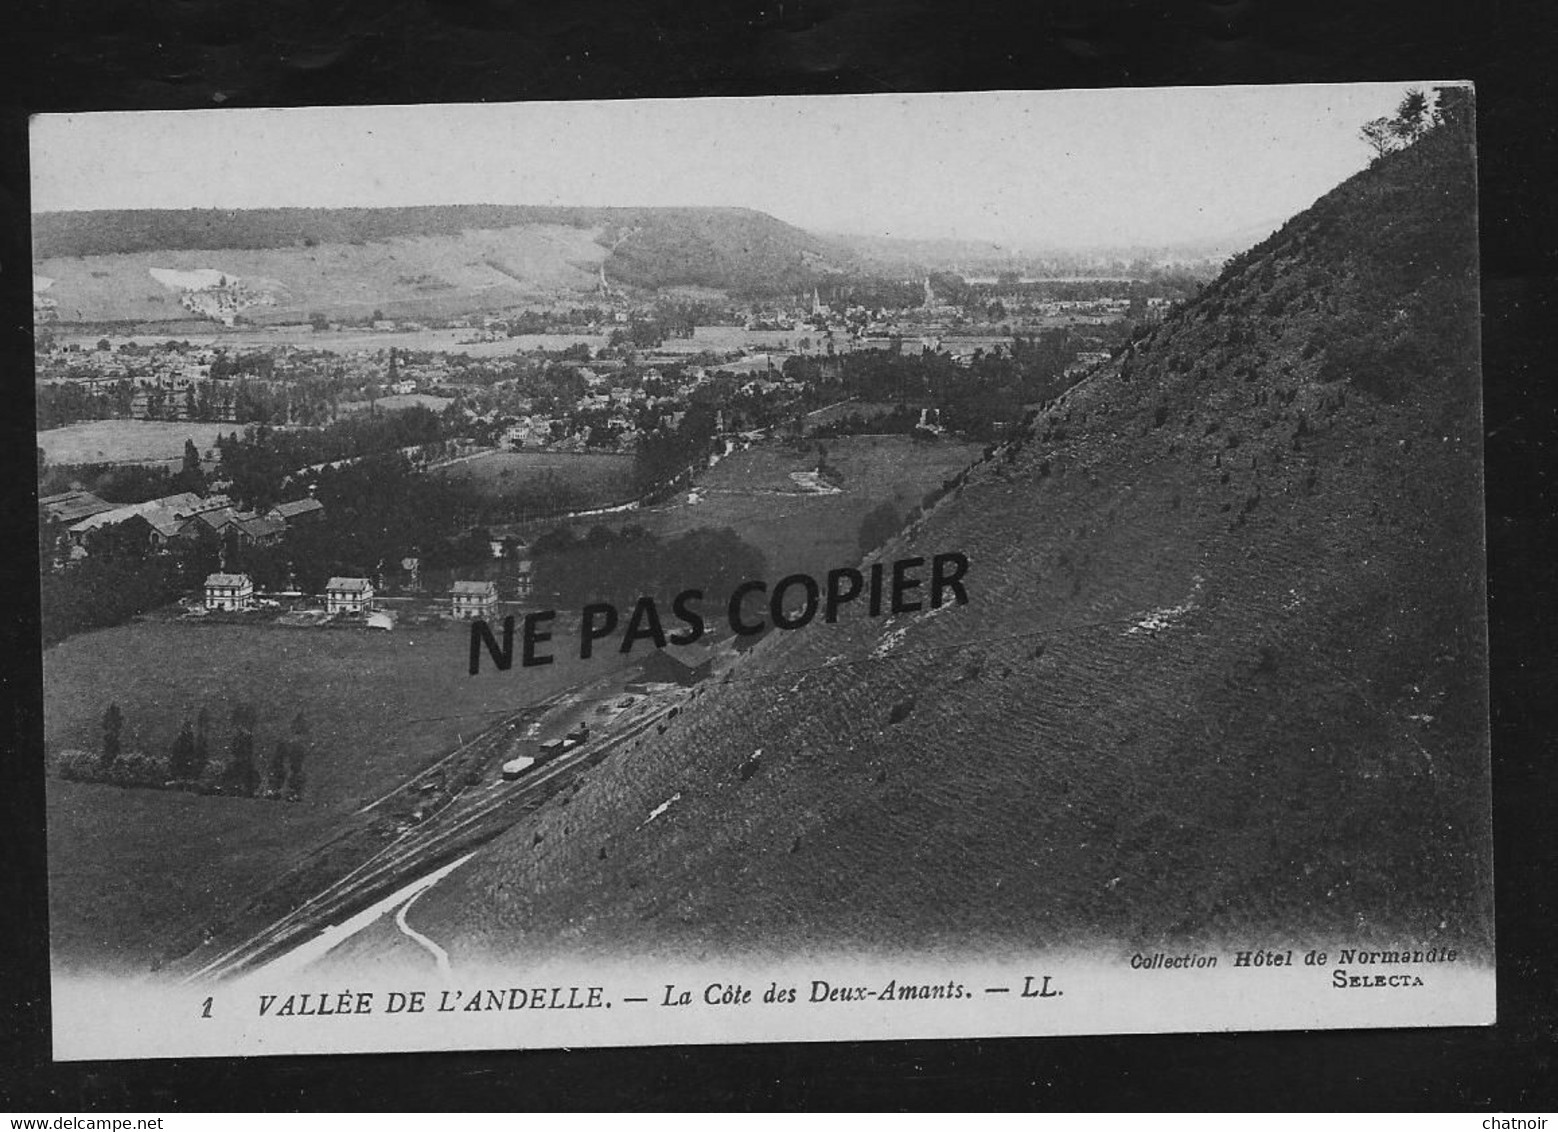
(303, 510)
(645, 394)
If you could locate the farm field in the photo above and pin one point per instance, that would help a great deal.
(127, 442)
(396, 401)
(134, 871)
(751, 492)
(606, 477)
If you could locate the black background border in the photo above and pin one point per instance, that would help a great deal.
(146, 54)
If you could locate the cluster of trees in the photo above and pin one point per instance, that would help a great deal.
(555, 322)
(983, 400)
(665, 451)
(65, 402)
(189, 763)
(115, 483)
(900, 420)
(380, 511)
(643, 334)
(1414, 117)
(112, 586)
(618, 566)
(259, 462)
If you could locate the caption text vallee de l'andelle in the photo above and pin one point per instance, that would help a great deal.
(882, 587)
(314, 1004)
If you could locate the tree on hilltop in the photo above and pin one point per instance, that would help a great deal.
(1413, 117)
(1379, 135)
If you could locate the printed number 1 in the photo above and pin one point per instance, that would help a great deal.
(205, 1010)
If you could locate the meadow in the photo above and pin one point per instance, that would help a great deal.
(751, 492)
(598, 478)
(134, 874)
(127, 442)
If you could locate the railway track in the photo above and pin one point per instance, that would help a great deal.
(471, 818)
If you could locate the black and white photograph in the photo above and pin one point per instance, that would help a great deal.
(811, 568)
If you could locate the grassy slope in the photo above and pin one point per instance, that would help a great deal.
(604, 477)
(1298, 748)
(122, 441)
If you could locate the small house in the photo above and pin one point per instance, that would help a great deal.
(470, 600)
(230, 592)
(348, 595)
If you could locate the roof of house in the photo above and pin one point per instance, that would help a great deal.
(297, 507)
(73, 506)
(261, 526)
(110, 518)
(188, 503)
(218, 518)
(228, 580)
(165, 522)
(349, 585)
(481, 589)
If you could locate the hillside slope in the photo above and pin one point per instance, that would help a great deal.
(428, 260)
(1221, 674)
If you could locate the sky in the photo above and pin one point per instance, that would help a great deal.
(1020, 168)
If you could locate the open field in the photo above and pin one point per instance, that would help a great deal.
(127, 442)
(397, 401)
(606, 478)
(752, 493)
(133, 871)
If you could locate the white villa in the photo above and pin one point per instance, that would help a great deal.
(469, 600)
(348, 595)
(229, 591)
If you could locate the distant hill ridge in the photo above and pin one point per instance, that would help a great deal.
(726, 248)
(1221, 674)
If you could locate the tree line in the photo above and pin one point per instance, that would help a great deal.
(190, 762)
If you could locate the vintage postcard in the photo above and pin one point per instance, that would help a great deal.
(732, 570)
